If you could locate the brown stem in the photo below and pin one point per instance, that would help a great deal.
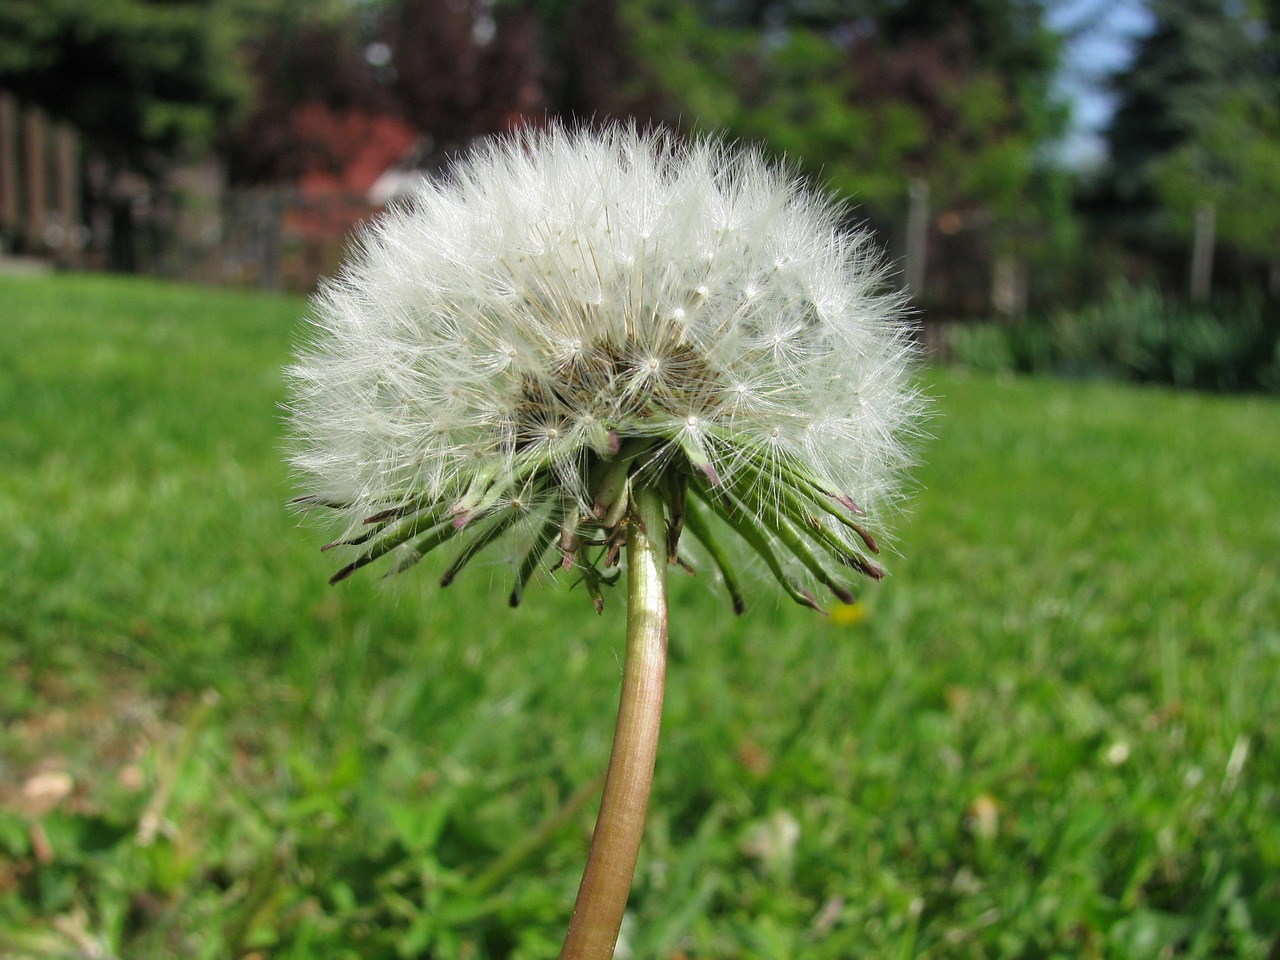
(615, 845)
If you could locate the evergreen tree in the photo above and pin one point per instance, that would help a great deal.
(1197, 126)
(1200, 56)
(1232, 165)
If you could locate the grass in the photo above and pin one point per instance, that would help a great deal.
(1053, 732)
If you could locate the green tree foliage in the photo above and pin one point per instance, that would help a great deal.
(141, 79)
(1198, 122)
(872, 95)
(1200, 56)
(1233, 164)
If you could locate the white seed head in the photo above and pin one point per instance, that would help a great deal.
(541, 296)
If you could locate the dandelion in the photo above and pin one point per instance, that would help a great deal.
(589, 346)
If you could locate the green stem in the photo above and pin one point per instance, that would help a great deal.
(615, 845)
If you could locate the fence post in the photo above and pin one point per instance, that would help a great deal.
(917, 237)
(272, 238)
(1202, 254)
(66, 166)
(9, 194)
(1008, 286)
(33, 148)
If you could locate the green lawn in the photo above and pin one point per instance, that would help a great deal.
(1054, 732)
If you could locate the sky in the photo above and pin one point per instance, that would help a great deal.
(1102, 40)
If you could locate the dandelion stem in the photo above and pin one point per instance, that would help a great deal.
(615, 845)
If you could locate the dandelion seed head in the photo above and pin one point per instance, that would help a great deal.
(494, 341)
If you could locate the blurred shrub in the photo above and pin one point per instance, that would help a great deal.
(1134, 333)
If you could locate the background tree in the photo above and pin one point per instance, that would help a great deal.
(465, 69)
(1233, 166)
(140, 80)
(871, 96)
(1198, 123)
(308, 66)
(1200, 56)
(453, 71)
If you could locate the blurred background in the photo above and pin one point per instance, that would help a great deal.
(1012, 154)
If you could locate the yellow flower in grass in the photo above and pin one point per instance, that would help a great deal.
(849, 614)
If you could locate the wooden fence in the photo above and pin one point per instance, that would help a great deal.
(62, 205)
(40, 197)
(72, 209)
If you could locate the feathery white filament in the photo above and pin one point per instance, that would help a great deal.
(565, 289)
